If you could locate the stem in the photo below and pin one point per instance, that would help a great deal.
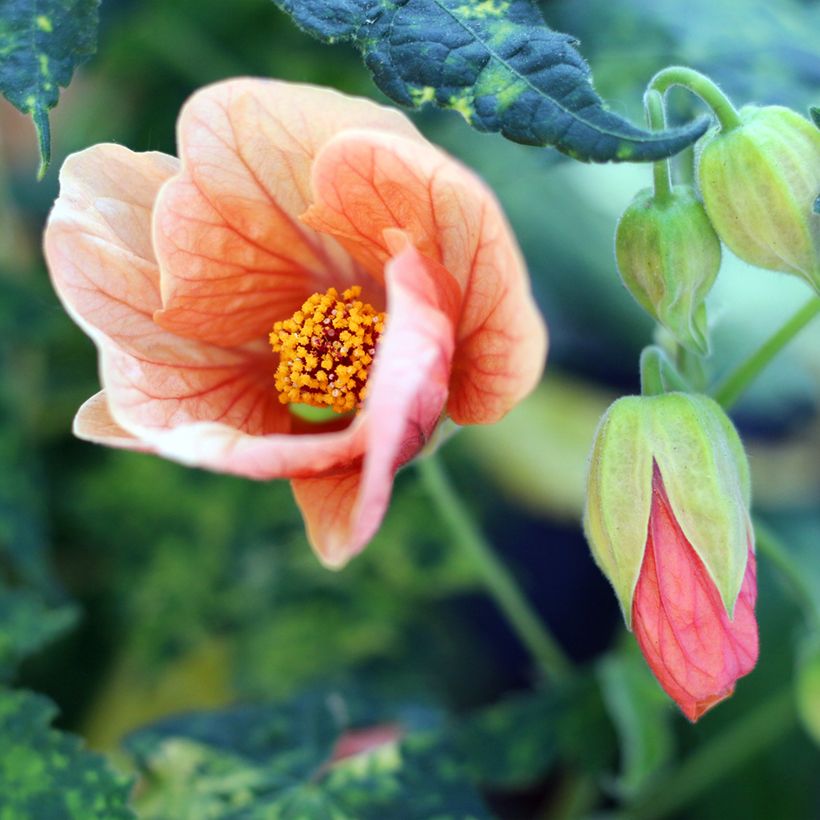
(716, 758)
(653, 106)
(497, 579)
(775, 550)
(655, 116)
(733, 386)
(700, 85)
(658, 374)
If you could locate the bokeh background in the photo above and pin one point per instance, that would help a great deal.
(167, 590)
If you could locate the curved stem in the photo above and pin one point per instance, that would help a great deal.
(700, 85)
(496, 577)
(733, 386)
(717, 758)
(658, 374)
(775, 550)
(655, 116)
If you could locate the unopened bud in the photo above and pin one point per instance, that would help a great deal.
(760, 182)
(668, 523)
(668, 256)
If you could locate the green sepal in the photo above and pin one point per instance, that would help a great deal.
(619, 497)
(759, 183)
(668, 256)
(706, 476)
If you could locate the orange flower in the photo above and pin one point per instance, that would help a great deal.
(307, 247)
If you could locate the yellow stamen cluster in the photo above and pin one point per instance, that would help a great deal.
(326, 349)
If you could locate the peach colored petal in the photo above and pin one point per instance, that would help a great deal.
(233, 388)
(407, 392)
(695, 651)
(99, 253)
(93, 422)
(98, 244)
(366, 184)
(233, 254)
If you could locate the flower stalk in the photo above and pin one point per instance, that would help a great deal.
(496, 577)
(701, 86)
(736, 383)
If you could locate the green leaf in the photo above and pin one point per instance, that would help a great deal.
(496, 63)
(41, 43)
(807, 686)
(46, 774)
(286, 761)
(27, 624)
(512, 744)
(640, 712)
(814, 113)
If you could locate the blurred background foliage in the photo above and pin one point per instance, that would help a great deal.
(132, 589)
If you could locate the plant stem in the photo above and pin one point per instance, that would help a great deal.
(733, 386)
(653, 106)
(497, 579)
(700, 85)
(716, 758)
(658, 374)
(775, 550)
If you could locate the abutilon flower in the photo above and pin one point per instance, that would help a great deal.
(667, 521)
(306, 248)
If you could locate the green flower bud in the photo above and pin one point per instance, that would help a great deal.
(668, 256)
(759, 182)
(703, 467)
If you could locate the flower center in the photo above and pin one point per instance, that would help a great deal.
(326, 349)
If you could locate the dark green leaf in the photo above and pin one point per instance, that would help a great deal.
(513, 744)
(286, 761)
(814, 112)
(26, 625)
(41, 43)
(46, 774)
(640, 711)
(493, 61)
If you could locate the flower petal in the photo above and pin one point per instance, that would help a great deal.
(695, 651)
(98, 244)
(367, 183)
(93, 422)
(99, 253)
(407, 392)
(233, 254)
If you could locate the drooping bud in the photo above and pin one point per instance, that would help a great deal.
(668, 256)
(668, 523)
(760, 182)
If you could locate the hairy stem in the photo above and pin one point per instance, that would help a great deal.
(496, 577)
(700, 85)
(656, 118)
(733, 386)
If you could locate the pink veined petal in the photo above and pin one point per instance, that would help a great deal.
(233, 254)
(366, 184)
(407, 393)
(695, 651)
(94, 423)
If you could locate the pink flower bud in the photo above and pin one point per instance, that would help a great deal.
(694, 649)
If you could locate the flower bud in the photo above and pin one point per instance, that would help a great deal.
(668, 523)
(668, 256)
(759, 182)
